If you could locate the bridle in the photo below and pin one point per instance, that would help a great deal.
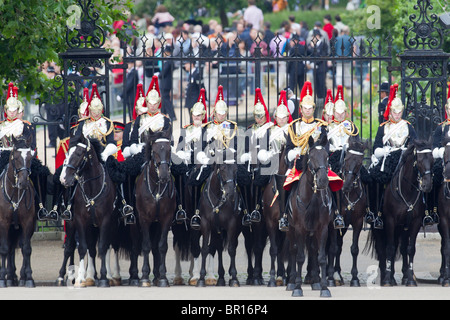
(160, 189)
(356, 181)
(223, 183)
(315, 171)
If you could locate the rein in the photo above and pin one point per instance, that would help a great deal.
(400, 177)
(356, 184)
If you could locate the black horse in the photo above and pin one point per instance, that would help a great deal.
(221, 222)
(156, 205)
(403, 212)
(444, 215)
(310, 204)
(353, 204)
(93, 204)
(17, 214)
(274, 200)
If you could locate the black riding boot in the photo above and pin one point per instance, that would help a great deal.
(255, 216)
(196, 220)
(378, 222)
(180, 215)
(283, 223)
(246, 219)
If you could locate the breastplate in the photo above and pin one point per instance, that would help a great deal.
(277, 138)
(95, 129)
(8, 129)
(396, 133)
(193, 135)
(338, 134)
(303, 127)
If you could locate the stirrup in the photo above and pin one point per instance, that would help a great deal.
(339, 222)
(246, 219)
(181, 215)
(195, 221)
(42, 213)
(435, 216)
(370, 216)
(427, 220)
(378, 223)
(283, 224)
(67, 214)
(255, 216)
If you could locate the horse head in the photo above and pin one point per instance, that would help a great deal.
(353, 161)
(77, 158)
(226, 173)
(21, 157)
(158, 150)
(446, 158)
(317, 160)
(424, 164)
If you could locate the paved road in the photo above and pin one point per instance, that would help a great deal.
(47, 258)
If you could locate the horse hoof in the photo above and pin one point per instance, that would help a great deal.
(103, 283)
(445, 283)
(193, 281)
(258, 282)
(30, 284)
(13, 283)
(290, 287)
(355, 283)
(332, 283)
(3, 284)
(178, 281)
(297, 293)
(234, 283)
(145, 283)
(134, 283)
(272, 284)
(280, 282)
(386, 284)
(163, 283)
(411, 283)
(201, 283)
(89, 282)
(316, 286)
(211, 282)
(325, 293)
(221, 283)
(60, 282)
(115, 282)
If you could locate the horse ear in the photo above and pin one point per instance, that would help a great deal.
(29, 140)
(14, 140)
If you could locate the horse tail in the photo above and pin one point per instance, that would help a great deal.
(124, 240)
(370, 247)
(181, 239)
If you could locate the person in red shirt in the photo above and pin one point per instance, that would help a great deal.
(328, 27)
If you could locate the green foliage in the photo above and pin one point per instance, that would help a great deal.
(33, 31)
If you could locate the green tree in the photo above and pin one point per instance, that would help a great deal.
(33, 31)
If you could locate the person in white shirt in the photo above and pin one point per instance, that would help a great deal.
(253, 15)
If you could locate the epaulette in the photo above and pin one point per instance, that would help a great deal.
(27, 122)
(444, 122)
(206, 124)
(184, 127)
(382, 124)
(324, 123)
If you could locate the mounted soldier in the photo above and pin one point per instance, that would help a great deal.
(299, 132)
(340, 130)
(219, 139)
(14, 126)
(440, 133)
(153, 120)
(277, 137)
(256, 138)
(393, 136)
(189, 143)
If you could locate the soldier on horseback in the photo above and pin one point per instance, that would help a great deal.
(256, 138)
(219, 137)
(339, 130)
(441, 131)
(188, 144)
(276, 144)
(299, 132)
(14, 126)
(153, 120)
(393, 136)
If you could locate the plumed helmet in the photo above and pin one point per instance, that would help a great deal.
(260, 108)
(153, 95)
(11, 99)
(306, 96)
(199, 108)
(82, 109)
(139, 101)
(339, 104)
(220, 107)
(329, 103)
(282, 109)
(95, 103)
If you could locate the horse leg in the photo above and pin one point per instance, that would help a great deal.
(281, 270)
(69, 249)
(155, 236)
(80, 281)
(25, 273)
(11, 278)
(390, 251)
(178, 279)
(103, 246)
(411, 251)
(134, 254)
(354, 250)
(163, 246)
(273, 251)
(205, 251)
(146, 246)
(232, 246)
(249, 243)
(322, 260)
(195, 258)
(298, 260)
(333, 254)
(4, 251)
(259, 250)
(220, 269)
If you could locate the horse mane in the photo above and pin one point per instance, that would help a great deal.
(95, 144)
(321, 141)
(356, 144)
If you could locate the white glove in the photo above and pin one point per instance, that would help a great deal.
(245, 157)
(264, 155)
(293, 153)
(202, 158)
(184, 155)
(134, 149)
(438, 153)
(379, 153)
(126, 152)
(110, 149)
